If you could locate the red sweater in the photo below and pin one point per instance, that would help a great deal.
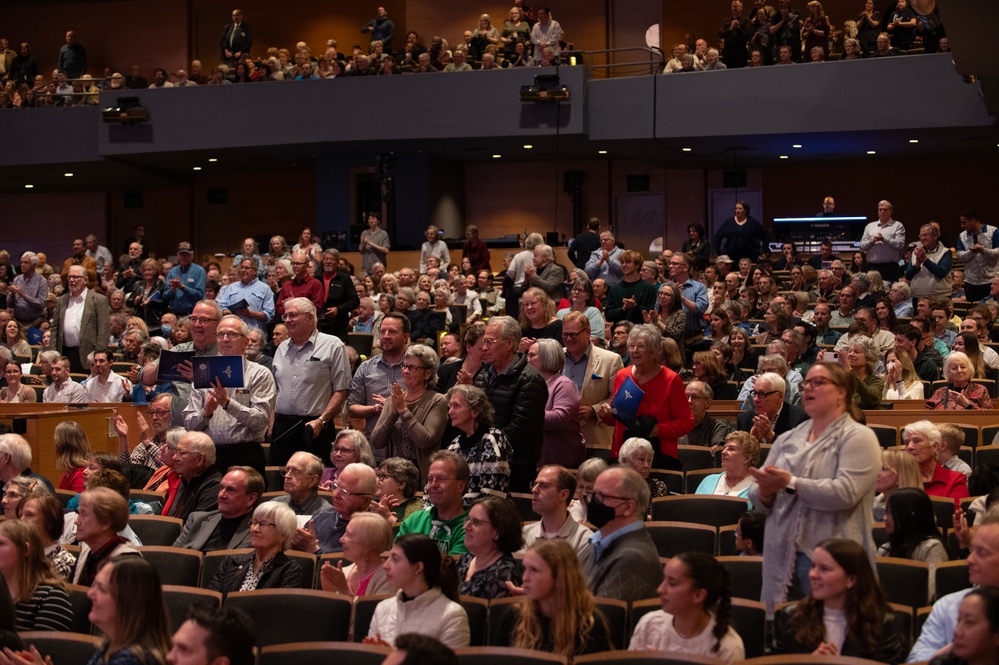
(666, 400)
(947, 483)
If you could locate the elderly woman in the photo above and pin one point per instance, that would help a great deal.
(586, 477)
(15, 391)
(959, 393)
(146, 297)
(280, 274)
(492, 534)
(922, 439)
(563, 439)
(349, 446)
(485, 448)
(582, 299)
(818, 483)
(637, 453)
(655, 406)
(279, 250)
(861, 359)
(669, 315)
(272, 528)
(44, 512)
(470, 354)
(398, 483)
(898, 469)
(412, 421)
(102, 514)
(740, 454)
(366, 538)
(39, 594)
(17, 490)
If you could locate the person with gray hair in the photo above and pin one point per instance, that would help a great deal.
(340, 296)
(15, 460)
(268, 567)
(604, 263)
(194, 462)
(485, 448)
(708, 431)
(248, 298)
(770, 415)
(27, 293)
(563, 438)
(436, 247)
(638, 454)
(353, 493)
(301, 285)
(544, 273)
(901, 299)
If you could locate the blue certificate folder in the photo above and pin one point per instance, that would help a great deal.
(626, 401)
(206, 369)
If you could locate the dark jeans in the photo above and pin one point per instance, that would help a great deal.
(240, 454)
(290, 435)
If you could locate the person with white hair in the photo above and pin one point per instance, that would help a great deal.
(27, 293)
(436, 247)
(272, 528)
(959, 393)
(15, 460)
(922, 440)
(770, 415)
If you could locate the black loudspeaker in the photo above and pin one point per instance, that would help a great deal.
(572, 181)
(551, 238)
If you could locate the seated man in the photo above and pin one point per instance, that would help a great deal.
(884, 340)
(447, 480)
(228, 527)
(708, 431)
(194, 462)
(901, 299)
(353, 491)
(63, 389)
(214, 637)
(302, 474)
(622, 561)
(774, 362)
(105, 385)
(770, 415)
(149, 449)
(551, 494)
(821, 319)
(15, 460)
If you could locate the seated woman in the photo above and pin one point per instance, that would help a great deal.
(898, 470)
(103, 513)
(862, 359)
(17, 490)
(492, 535)
(976, 635)
(696, 610)
(845, 614)
(127, 607)
(14, 339)
(39, 595)
(484, 447)
(398, 483)
(775, 322)
(901, 381)
(561, 616)
(922, 439)
(708, 369)
(586, 476)
(885, 313)
(271, 531)
(959, 393)
(366, 537)
(72, 448)
(15, 391)
(426, 602)
(912, 531)
(563, 437)
(740, 453)
(44, 512)
(743, 355)
(719, 327)
(638, 454)
(968, 343)
(349, 446)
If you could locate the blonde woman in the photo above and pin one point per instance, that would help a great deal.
(901, 381)
(898, 469)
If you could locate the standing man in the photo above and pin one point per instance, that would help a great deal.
(27, 294)
(435, 247)
(978, 247)
(99, 253)
(185, 282)
(630, 298)
(884, 242)
(476, 250)
(302, 285)
(237, 39)
(785, 26)
(604, 262)
(928, 271)
(375, 245)
(235, 418)
(313, 376)
(546, 33)
(130, 270)
(259, 299)
(585, 244)
(828, 203)
(72, 58)
(80, 258)
(81, 322)
(735, 32)
(592, 370)
(381, 28)
(693, 294)
(340, 296)
(372, 383)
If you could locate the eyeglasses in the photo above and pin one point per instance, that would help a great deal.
(344, 492)
(298, 263)
(229, 335)
(290, 316)
(571, 335)
(201, 319)
(640, 346)
(344, 451)
(542, 485)
(178, 451)
(817, 382)
(760, 394)
(293, 472)
(412, 368)
(158, 413)
(385, 476)
(600, 496)
(262, 524)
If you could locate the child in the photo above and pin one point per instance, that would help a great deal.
(951, 440)
(749, 537)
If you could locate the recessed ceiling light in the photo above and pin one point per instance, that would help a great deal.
(687, 149)
(497, 156)
(29, 186)
(68, 175)
(913, 140)
(796, 145)
(212, 159)
(783, 156)
(871, 152)
(197, 168)
(528, 146)
(601, 152)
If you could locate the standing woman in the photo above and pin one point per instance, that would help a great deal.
(582, 299)
(561, 616)
(72, 449)
(697, 248)
(127, 606)
(537, 318)
(39, 596)
(426, 602)
(15, 391)
(818, 482)
(485, 448)
(492, 534)
(663, 413)
(815, 31)
(146, 296)
(868, 27)
(668, 314)
(412, 422)
(306, 244)
(563, 439)
(845, 614)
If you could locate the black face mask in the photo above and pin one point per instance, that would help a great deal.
(598, 513)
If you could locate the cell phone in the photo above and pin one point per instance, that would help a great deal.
(832, 356)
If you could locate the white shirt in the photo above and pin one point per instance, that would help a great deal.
(115, 389)
(72, 319)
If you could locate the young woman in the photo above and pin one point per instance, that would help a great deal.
(72, 448)
(492, 535)
(708, 368)
(846, 613)
(426, 600)
(560, 616)
(15, 391)
(885, 313)
(898, 469)
(901, 382)
(976, 635)
(696, 604)
(912, 530)
(44, 512)
(39, 596)
(14, 339)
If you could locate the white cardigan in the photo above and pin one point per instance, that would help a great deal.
(431, 613)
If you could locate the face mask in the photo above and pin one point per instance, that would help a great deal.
(167, 330)
(598, 513)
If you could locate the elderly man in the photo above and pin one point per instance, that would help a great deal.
(185, 282)
(865, 317)
(693, 294)
(630, 298)
(81, 322)
(150, 447)
(249, 298)
(105, 385)
(462, 296)
(771, 415)
(313, 376)
(518, 393)
(228, 526)
(844, 315)
(551, 493)
(546, 32)
(708, 431)
(339, 296)
(604, 263)
(798, 345)
(237, 39)
(235, 418)
(194, 462)
(130, 270)
(15, 460)
(901, 299)
(622, 561)
(929, 268)
(99, 253)
(63, 389)
(884, 241)
(825, 289)
(302, 284)
(27, 293)
(222, 636)
(444, 523)
(131, 343)
(301, 485)
(978, 248)
(592, 370)
(435, 247)
(353, 492)
(861, 284)
(544, 273)
(79, 258)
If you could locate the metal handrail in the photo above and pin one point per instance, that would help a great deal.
(653, 65)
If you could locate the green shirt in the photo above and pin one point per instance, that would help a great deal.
(448, 534)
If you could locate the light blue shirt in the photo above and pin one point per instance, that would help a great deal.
(697, 292)
(904, 308)
(610, 271)
(938, 631)
(257, 295)
(182, 301)
(601, 542)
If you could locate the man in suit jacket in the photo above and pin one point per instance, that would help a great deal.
(227, 528)
(237, 39)
(770, 416)
(592, 369)
(626, 568)
(81, 323)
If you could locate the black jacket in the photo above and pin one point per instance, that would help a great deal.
(790, 416)
(280, 573)
(893, 648)
(519, 396)
(342, 295)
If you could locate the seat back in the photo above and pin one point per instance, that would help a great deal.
(672, 479)
(273, 480)
(904, 581)
(498, 610)
(749, 619)
(695, 457)
(715, 511)
(323, 653)
(81, 608)
(645, 658)
(176, 565)
(951, 576)
(672, 538)
(887, 435)
(522, 501)
(506, 656)
(477, 610)
(616, 613)
(159, 530)
(210, 564)
(694, 478)
(179, 599)
(307, 562)
(943, 509)
(745, 574)
(329, 615)
(62, 648)
(364, 610)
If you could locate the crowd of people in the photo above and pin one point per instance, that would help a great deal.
(479, 384)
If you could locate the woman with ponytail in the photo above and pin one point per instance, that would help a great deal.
(696, 612)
